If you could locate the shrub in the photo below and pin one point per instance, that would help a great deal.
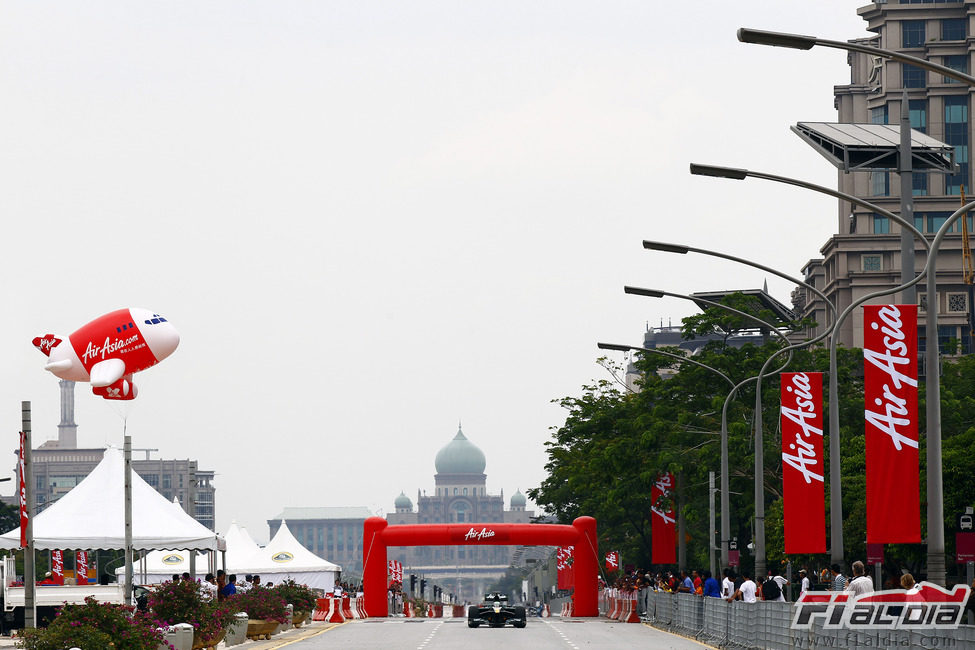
(260, 603)
(95, 625)
(187, 602)
(301, 596)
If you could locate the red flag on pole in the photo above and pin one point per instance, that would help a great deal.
(565, 578)
(612, 560)
(891, 414)
(23, 493)
(81, 567)
(803, 489)
(57, 567)
(663, 527)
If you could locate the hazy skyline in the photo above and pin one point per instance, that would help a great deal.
(370, 221)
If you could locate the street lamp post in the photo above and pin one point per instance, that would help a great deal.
(759, 445)
(683, 250)
(724, 418)
(835, 487)
(935, 487)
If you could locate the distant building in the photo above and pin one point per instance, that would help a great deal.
(59, 465)
(460, 496)
(864, 256)
(333, 534)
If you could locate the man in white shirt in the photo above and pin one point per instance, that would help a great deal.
(746, 590)
(781, 582)
(727, 585)
(805, 582)
(860, 584)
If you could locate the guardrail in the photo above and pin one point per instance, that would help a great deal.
(768, 625)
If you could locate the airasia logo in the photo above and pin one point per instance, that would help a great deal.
(893, 411)
(110, 346)
(474, 534)
(664, 483)
(803, 414)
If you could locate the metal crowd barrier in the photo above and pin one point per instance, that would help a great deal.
(768, 625)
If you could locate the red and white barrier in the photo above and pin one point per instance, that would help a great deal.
(614, 610)
(321, 609)
(408, 609)
(335, 614)
(346, 608)
(547, 613)
(631, 616)
(459, 611)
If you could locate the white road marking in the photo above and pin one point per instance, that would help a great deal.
(429, 638)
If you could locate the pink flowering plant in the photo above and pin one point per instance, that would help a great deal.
(300, 596)
(260, 603)
(187, 602)
(95, 625)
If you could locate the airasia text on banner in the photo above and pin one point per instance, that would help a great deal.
(803, 489)
(663, 526)
(23, 492)
(891, 414)
(565, 576)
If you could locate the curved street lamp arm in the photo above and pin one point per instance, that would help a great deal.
(656, 293)
(740, 174)
(800, 42)
(681, 358)
(680, 248)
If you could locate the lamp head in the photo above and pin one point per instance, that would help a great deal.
(664, 247)
(776, 39)
(639, 291)
(719, 172)
(614, 346)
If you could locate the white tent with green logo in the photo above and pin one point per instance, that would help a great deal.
(285, 558)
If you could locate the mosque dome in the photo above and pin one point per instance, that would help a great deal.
(518, 500)
(403, 501)
(460, 456)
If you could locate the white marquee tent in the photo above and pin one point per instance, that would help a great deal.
(92, 516)
(284, 557)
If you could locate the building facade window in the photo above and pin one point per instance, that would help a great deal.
(919, 184)
(953, 29)
(912, 76)
(871, 262)
(881, 225)
(912, 33)
(922, 304)
(880, 183)
(957, 303)
(917, 111)
(957, 62)
(956, 135)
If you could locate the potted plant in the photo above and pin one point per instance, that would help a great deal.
(95, 625)
(265, 609)
(301, 597)
(186, 602)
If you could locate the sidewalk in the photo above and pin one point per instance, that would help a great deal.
(294, 634)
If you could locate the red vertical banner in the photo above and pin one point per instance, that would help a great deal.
(563, 563)
(663, 526)
(81, 567)
(57, 567)
(803, 489)
(891, 414)
(613, 561)
(23, 492)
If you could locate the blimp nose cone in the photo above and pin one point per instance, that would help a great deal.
(160, 335)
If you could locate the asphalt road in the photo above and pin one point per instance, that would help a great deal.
(433, 634)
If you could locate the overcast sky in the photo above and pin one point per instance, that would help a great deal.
(372, 220)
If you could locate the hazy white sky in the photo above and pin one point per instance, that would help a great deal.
(370, 220)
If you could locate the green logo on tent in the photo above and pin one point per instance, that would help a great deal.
(173, 559)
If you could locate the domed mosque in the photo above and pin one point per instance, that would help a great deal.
(460, 496)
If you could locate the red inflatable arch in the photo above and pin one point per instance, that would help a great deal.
(378, 535)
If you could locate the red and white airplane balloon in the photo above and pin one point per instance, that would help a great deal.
(108, 350)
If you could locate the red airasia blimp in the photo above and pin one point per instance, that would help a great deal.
(108, 350)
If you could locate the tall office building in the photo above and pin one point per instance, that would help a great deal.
(864, 255)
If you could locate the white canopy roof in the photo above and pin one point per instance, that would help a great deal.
(159, 566)
(282, 558)
(92, 516)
